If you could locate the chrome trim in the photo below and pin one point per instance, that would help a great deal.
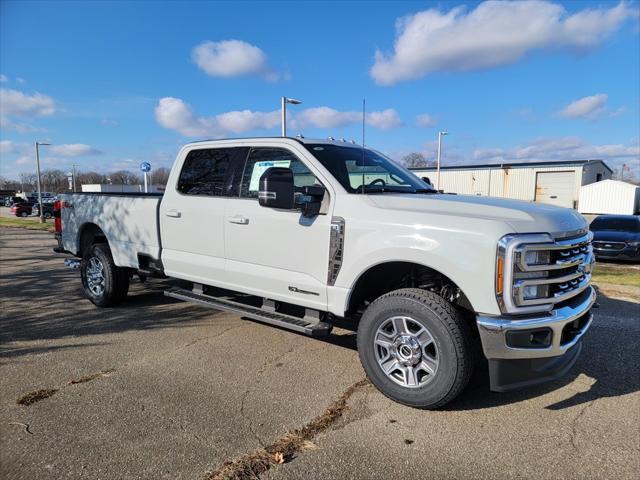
(513, 250)
(582, 244)
(493, 330)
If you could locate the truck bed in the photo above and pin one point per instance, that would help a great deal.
(128, 220)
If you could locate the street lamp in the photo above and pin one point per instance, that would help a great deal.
(38, 144)
(283, 111)
(440, 135)
(73, 170)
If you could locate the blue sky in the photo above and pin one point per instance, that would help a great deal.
(112, 84)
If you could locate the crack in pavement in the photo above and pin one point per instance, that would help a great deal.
(574, 426)
(249, 389)
(284, 449)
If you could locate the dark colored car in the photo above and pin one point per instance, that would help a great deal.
(23, 209)
(47, 209)
(616, 237)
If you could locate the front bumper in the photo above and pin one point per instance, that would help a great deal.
(628, 253)
(526, 351)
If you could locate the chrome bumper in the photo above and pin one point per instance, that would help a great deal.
(494, 330)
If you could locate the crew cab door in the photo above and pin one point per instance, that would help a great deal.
(277, 254)
(192, 213)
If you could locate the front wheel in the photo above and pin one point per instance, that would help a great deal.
(105, 284)
(415, 348)
(24, 214)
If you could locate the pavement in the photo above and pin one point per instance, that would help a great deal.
(162, 389)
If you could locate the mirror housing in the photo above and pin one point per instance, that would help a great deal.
(276, 188)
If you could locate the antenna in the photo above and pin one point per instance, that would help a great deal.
(364, 109)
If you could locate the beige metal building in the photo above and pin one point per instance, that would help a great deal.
(557, 183)
(610, 197)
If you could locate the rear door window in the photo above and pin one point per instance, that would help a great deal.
(210, 171)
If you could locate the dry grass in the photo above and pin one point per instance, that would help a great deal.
(33, 397)
(251, 465)
(616, 274)
(28, 223)
(93, 376)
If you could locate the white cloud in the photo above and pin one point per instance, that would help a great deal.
(20, 80)
(3, 78)
(326, 117)
(73, 150)
(107, 122)
(491, 35)
(591, 107)
(425, 120)
(563, 148)
(14, 102)
(175, 114)
(232, 58)
(6, 124)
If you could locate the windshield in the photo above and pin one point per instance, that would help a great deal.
(365, 171)
(622, 224)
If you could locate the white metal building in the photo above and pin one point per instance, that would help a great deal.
(610, 196)
(557, 183)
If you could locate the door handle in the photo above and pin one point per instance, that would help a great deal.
(239, 220)
(173, 213)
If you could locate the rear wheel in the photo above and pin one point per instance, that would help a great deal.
(47, 215)
(105, 284)
(415, 348)
(24, 214)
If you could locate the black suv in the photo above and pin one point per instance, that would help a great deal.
(616, 237)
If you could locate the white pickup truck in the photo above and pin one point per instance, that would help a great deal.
(300, 233)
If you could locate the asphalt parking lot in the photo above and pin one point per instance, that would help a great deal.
(162, 389)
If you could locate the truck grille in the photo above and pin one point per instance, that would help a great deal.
(559, 271)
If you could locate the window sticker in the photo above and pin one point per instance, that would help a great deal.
(260, 167)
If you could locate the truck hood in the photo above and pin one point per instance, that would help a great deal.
(521, 216)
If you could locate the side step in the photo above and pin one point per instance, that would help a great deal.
(308, 325)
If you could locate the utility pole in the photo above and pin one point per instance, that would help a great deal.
(73, 175)
(440, 135)
(38, 179)
(283, 112)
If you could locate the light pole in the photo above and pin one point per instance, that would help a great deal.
(283, 112)
(73, 170)
(38, 178)
(440, 135)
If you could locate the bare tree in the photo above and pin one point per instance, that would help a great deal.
(125, 177)
(28, 182)
(84, 178)
(160, 176)
(416, 160)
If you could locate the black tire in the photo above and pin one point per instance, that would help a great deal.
(451, 340)
(115, 279)
(47, 215)
(24, 214)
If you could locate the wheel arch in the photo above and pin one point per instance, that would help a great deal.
(387, 276)
(88, 235)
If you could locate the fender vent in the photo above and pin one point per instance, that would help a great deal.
(336, 249)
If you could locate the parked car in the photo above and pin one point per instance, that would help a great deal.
(22, 209)
(304, 234)
(616, 237)
(47, 209)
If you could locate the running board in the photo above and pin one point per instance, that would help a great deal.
(309, 325)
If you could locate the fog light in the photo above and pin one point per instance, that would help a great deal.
(531, 292)
(537, 257)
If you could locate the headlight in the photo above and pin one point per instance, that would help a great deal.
(534, 271)
(633, 244)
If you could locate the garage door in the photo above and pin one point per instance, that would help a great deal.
(556, 188)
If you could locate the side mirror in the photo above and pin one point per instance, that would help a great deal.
(276, 188)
